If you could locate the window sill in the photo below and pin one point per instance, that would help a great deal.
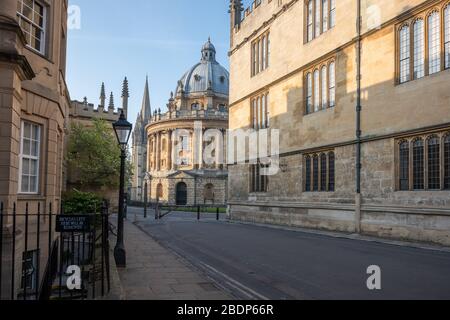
(320, 111)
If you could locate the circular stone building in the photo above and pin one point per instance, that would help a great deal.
(182, 167)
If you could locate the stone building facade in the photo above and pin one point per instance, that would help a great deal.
(338, 93)
(178, 172)
(34, 107)
(139, 148)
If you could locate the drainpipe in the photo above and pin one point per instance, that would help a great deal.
(358, 121)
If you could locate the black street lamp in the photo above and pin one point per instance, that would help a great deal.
(122, 128)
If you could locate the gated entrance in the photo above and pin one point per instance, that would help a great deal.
(64, 256)
(181, 194)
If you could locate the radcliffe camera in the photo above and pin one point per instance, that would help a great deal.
(223, 159)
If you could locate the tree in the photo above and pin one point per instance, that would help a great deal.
(93, 155)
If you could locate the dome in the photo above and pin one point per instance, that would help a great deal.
(207, 75)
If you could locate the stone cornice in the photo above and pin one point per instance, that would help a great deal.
(21, 61)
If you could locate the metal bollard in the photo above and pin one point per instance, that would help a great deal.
(198, 212)
(218, 215)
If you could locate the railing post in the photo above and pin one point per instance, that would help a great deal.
(218, 214)
(13, 271)
(38, 248)
(1, 247)
(198, 212)
(24, 272)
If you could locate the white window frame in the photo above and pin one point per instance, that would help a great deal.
(30, 157)
(42, 49)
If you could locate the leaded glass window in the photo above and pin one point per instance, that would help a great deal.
(315, 173)
(404, 166)
(332, 85)
(419, 49)
(324, 88)
(447, 36)
(418, 165)
(434, 42)
(434, 173)
(404, 54)
(447, 162)
(308, 174)
(323, 172)
(331, 170)
(309, 93)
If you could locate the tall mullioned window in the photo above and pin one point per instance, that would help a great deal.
(260, 113)
(447, 162)
(404, 166)
(31, 15)
(434, 42)
(404, 54)
(320, 172)
(418, 164)
(29, 158)
(434, 173)
(447, 35)
(308, 174)
(428, 167)
(419, 49)
(320, 17)
(424, 39)
(260, 54)
(320, 88)
(259, 180)
(309, 93)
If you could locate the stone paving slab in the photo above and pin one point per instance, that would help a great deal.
(155, 273)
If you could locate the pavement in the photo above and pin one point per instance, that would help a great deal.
(156, 273)
(260, 262)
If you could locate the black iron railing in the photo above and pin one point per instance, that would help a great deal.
(49, 244)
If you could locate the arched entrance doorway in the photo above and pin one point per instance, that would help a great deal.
(159, 192)
(181, 194)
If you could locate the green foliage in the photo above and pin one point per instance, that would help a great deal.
(93, 154)
(77, 202)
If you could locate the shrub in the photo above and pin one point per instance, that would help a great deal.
(77, 202)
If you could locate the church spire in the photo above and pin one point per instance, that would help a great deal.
(146, 110)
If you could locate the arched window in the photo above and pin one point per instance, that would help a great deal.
(317, 18)
(434, 173)
(404, 54)
(308, 93)
(310, 21)
(159, 191)
(447, 162)
(447, 35)
(419, 49)
(195, 106)
(316, 90)
(331, 172)
(418, 165)
(434, 42)
(332, 13)
(267, 111)
(315, 173)
(324, 88)
(308, 174)
(332, 85)
(404, 166)
(324, 15)
(323, 172)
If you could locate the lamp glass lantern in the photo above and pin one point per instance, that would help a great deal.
(122, 128)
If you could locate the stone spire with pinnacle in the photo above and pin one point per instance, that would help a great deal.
(102, 95)
(125, 96)
(111, 102)
(146, 109)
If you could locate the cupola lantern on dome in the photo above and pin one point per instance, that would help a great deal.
(207, 75)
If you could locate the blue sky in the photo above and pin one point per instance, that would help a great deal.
(159, 38)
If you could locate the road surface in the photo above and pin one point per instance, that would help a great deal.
(255, 262)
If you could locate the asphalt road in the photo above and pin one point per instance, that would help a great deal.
(255, 262)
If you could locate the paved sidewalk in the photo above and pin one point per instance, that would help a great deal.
(155, 273)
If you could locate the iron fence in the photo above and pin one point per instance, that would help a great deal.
(53, 256)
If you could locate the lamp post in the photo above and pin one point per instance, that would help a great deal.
(122, 128)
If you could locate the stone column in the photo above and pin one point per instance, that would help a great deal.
(158, 151)
(154, 152)
(169, 149)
